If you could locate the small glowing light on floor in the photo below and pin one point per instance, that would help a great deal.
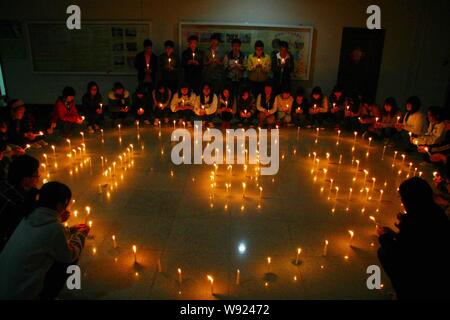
(242, 208)
(242, 248)
(346, 257)
(115, 259)
(295, 278)
(94, 251)
(321, 267)
(136, 274)
(266, 284)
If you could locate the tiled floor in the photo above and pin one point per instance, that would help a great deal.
(167, 212)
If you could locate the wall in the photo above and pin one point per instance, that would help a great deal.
(416, 44)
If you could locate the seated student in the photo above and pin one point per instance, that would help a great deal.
(283, 103)
(21, 130)
(92, 107)
(161, 103)
(384, 127)
(192, 62)
(318, 107)
(258, 67)
(226, 107)
(213, 65)
(412, 126)
(436, 129)
(352, 113)
(169, 66)
(141, 106)
(419, 250)
(282, 67)
(246, 108)
(33, 264)
(146, 64)
(206, 105)
(65, 115)
(11, 150)
(182, 105)
(369, 113)
(338, 102)
(265, 104)
(119, 103)
(17, 194)
(235, 63)
(5, 161)
(300, 109)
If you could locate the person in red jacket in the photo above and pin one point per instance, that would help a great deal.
(65, 115)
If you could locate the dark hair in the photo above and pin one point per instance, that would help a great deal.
(390, 101)
(21, 167)
(236, 41)
(259, 44)
(148, 43)
(268, 84)
(300, 92)
(193, 38)
(117, 86)
(68, 92)
(54, 193)
(206, 84)
(338, 88)
(92, 84)
(285, 89)
(169, 44)
(415, 103)
(140, 90)
(437, 112)
(316, 90)
(3, 145)
(214, 36)
(416, 193)
(284, 44)
(161, 84)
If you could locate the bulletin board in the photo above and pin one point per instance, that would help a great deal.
(98, 48)
(298, 37)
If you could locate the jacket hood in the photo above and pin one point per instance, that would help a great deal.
(42, 216)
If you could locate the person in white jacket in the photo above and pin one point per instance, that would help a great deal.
(436, 129)
(206, 105)
(182, 105)
(412, 126)
(33, 264)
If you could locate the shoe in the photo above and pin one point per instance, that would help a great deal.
(42, 143)
(147, 122)
(156, 122)
(189, 124)
(90, 130)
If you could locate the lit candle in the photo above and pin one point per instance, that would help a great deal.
(90, 223)
(134, 253)
(70, 146)
(174, 123)
(325, 248)
(211, 279)
(356, 134)
(384, 150)
(82, 136)
(46, 159)
(337, 191)
(193, 55)
(114, 241)
(370, 141)
(373, 183)
(398, 119)
(357, 166)
(169, 62)
(331, 184)
(403, 160)
(243, 189)
(88, 212)
(340, 159)
(269, 261)
(350, 194)
(180, 278)
(119, 126)
(339, 134)
(260, 192)
(238, 276)
(351, 237)
(297, 261)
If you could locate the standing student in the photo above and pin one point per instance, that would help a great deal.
(92, 107)
(436, 130)
(169, 66)
(300, 108)
(226, 107)
(142, 106)
(318, 107)
(65, 114)
(161, 103)
(33, 264)
(182, 105)
(17, 194)
(206, 105)
(192, 62)
(282, 67)
(265, 104)
(412, 126)
(259, 67)
(235, 63)
(283, 103)
(213, 71)
(338, 102)
(246, 108)
(146, 64)
(385, 128)
(119, 103)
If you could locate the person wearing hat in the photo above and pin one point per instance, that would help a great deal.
(20, 127)
(65, 114)
(169, 66)
(119, 102)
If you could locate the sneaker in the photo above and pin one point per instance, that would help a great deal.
(90, 130)
(147, 122)
(156, 122)
(43, 143)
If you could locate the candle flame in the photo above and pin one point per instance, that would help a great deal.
(134, 249)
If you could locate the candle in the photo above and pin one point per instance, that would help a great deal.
(238, 276)
(193, 55)
(114, 241)
(351, 236)
(356, 134)
(325, 248)
(68, 141)
(337, 191)
(350, 194)
(169, 61)
(82, 136)
(340, 159)
(367, 194)
(339, 134)
(211, 279)
(269, 261)
(403, 160)
(331, 184)
(174, 123)
(46, 159)
(54, 152)
(88, 212)
(180, 279)
(373, 183)
(384, 150)
(243, 189)
(90, 223)
(357, 166)
(370, 141)
(260, 192)
(398, 119)
(119, 126)
(134, 253)
(297, 261)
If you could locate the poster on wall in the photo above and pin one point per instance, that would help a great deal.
(299, 39)
(99, 47)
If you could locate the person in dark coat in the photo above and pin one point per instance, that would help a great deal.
(92, 107)
(192, 62)
(146, 64)
(416, 258)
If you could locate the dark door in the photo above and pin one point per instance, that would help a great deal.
(360, 60)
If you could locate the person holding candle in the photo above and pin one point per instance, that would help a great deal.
(436, 130)
(352, 113)
(226, 107)
(92, 107)
(416, 257)
(282, 67)
(65, 114)
(300, 109)
(182, 105)
(338, 101)
(318, 107)
(384, 127)
(169, 66)
(235, 63)
(283, 103)
(141, 105)
(213, 70)
(246, 108)
(33, 264)
(369, 113)
(192, 62)
(119, 103)
(258, 67)
(161, 103)
(265, 104)
(146, 64)
(206, 105)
